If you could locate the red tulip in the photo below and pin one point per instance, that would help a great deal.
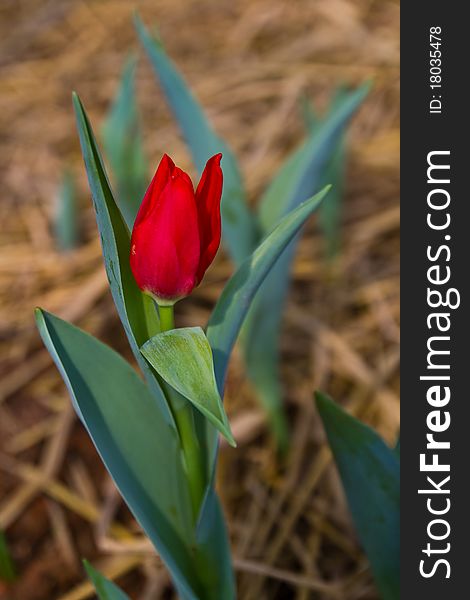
(176, 233)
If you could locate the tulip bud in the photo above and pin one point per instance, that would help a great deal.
(177, 232)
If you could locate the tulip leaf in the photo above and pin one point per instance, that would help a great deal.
(136, 310)
(397, 447)
(329, 215)
(234, 302)
(138, 447)
(66, 220)
(231, 308)
(260, 341)
(212, 538)
(238, 223)
(301, 175)
(183, 358)
(370, 473)
(123, 145)
(309, 115)
(105, 589)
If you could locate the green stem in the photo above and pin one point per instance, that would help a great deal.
(184, 418)
(167, 318)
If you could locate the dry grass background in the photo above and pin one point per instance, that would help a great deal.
(248, 62)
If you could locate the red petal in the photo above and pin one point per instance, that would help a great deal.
(159, 181)
(208, 195)
(165, 243)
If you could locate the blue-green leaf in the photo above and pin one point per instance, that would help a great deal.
(309, 115)
(122, 140)
(301, 175)
(66, 223)
(213, 541)
(239, 230)
(397, 447)
(260, 341)
(140, 450)
(235, 300)
(136, 310)
(329, 215)
(183, 358)
(105, 589)
(231, 308)
(370, 473)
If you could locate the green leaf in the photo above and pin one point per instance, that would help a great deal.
(66, 217)
(122, 139)
(138, 447)
(329, 215)
(309, 115)
(213, 540)
(370, 473)
(238, 224)
(397, 447)
(7, 570)
(105, 589)
(260, 340)
(234, 302)
(301, 175)
(183, 358)
(136, 310)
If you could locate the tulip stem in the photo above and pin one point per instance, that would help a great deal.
(184, 418)
(167, 319)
